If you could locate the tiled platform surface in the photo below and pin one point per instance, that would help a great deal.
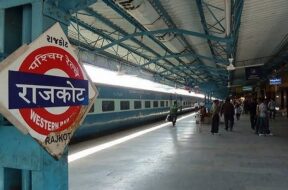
(188, 157)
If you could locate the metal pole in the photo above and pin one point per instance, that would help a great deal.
(228, 16)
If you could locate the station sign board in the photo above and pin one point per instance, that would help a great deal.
(253, 73)
(275, 81)
(45, 90)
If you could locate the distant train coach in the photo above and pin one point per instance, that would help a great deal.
(121, 107)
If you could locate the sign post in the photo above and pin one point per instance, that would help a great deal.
(45, 91)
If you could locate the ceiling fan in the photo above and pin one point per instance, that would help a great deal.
(231, 67)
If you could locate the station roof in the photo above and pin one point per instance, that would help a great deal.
(183, 42)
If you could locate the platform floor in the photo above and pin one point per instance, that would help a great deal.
(187, 157)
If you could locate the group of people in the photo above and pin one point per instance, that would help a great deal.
(259, 115)
(228, 110)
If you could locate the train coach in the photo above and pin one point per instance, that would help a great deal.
(118, 107)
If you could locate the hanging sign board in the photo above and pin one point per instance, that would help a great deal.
(253, 73)
(45, 91)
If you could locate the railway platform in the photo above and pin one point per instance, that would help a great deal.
(184, 157)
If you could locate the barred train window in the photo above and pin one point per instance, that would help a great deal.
(155, 104)
(147, 104)
(108, 106)
(162, 104)
(124, 105)
(137, 105)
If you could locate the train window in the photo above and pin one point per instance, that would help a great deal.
(147, 104)
(155, 104)
(91, 109)
(124, 105)
(108, 106)
(161, 103)
(166, 103)
(137, 105)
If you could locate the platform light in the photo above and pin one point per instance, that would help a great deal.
(92, 150)
(104, 76)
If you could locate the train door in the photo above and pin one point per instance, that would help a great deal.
(171, 101)
(180, 104)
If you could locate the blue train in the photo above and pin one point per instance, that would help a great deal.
(121, 107)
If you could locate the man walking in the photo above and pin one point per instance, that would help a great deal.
(215, 117)
(228, 111)
(173, 113)
(252, 110)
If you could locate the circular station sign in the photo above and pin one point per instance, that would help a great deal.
(55, 60)
(47, 91)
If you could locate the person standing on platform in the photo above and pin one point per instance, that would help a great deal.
(245, 106)
(173, 113)
(263, 118)
(202, 113)
(228, 111)
(252, 111)
(215, 110)
(271, 107)
(238, 111)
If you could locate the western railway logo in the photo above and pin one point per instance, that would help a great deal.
(46, 92)
(32, 92)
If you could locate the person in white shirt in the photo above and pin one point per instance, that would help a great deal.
(238, 111)
(271, 107)
(263, 120)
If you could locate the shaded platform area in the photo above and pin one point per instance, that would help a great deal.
(187, 157)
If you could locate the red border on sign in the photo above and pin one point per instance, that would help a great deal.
(68, 65)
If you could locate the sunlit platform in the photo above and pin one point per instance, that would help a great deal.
(184, 157)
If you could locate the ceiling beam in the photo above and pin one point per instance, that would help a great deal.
(168, 30)
(124, 33)
(71, 6)
(99, 32)
(140, 27)
(183, 55)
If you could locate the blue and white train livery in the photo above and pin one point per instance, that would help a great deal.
(121, 107)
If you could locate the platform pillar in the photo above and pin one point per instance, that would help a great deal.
(25, 165)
